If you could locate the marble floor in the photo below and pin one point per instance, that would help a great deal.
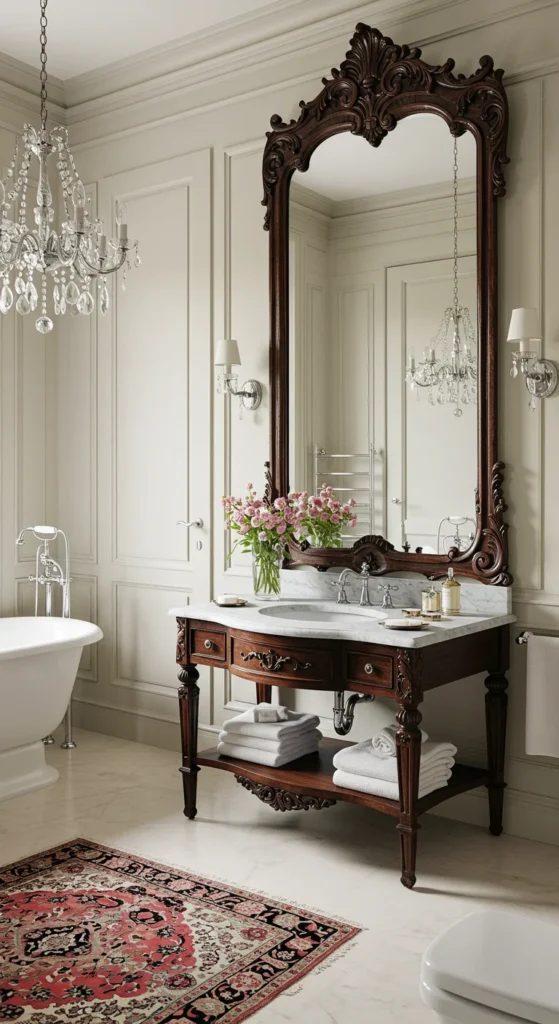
(342, 861)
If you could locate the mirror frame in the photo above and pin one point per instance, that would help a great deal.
(377, 84)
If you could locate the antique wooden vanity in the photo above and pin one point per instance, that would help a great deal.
(379, 86)
(379, 669)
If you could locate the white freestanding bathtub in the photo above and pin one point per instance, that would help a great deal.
(39, 659)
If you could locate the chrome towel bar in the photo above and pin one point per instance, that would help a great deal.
(523, 637)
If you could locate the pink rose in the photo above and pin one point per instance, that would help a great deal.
(282, 528)
(244, 529)
(335, 519)
(262, 535)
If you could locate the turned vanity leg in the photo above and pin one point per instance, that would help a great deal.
(189, 694)
(496, 701)
(263, 693)
(408, 739)
(408, 750)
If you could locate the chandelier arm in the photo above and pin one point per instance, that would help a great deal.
(102, 270)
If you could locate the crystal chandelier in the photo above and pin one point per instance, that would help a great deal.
(449, 369)
(75, 255)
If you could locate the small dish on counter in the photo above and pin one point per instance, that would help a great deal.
(409, 624)
(411, 613)
(230, 601)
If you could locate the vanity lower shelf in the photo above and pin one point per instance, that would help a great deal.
(311, 776)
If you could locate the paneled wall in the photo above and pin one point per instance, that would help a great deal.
(114, 428)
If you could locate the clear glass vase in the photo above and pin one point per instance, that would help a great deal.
(266, 565)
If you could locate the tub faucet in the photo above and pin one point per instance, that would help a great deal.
(47, 570)
(48, 573)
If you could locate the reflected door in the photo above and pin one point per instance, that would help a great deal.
(431, 457)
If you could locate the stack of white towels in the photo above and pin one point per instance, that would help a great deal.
(371, 766)
(270, 734)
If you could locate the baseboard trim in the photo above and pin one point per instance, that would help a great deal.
(527, 815)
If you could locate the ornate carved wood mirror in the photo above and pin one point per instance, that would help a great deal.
(382, 208)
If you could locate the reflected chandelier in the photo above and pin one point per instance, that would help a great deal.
(450, 376)
(75, 255)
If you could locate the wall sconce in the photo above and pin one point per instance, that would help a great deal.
(227, 356)
(540, 375)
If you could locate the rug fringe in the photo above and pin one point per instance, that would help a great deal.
(219, 880)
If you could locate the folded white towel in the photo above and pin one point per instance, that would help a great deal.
(297, 723)
(360, 759)
(389, 790)
(275, 713)
(542, 696)
(282, 746)
(267, 756)
(384, 743)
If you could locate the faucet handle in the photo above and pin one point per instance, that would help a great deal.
(340, 587)
(387, 587)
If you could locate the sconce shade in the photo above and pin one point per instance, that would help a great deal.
(227, 353)
(524, 325)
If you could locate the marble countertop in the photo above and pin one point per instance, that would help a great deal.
(255, 617)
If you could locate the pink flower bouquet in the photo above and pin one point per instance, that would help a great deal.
(324, 518)
(265, 529)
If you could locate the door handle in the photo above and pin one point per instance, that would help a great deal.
(195, 522)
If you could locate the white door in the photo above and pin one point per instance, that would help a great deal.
(431, 458)
(154, 384)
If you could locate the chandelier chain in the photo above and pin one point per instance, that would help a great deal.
(455, 230)
(43, 40)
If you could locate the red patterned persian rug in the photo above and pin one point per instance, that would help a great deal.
(91, 935)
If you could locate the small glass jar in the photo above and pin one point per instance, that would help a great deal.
(431, 600)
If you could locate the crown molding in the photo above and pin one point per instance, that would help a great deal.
(22, 82)
(264, 28)
(245, 44)
(218, 65)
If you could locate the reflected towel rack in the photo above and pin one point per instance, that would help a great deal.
(321, 457)
(523, 637)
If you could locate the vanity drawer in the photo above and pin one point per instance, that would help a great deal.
(279, 661)
(208, 643)
(366, 668)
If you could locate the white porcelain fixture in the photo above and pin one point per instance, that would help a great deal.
(493, 967)
(325, 614)
(39, 658)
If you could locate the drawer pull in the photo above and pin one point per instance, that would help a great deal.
(208, 645)
(369, 669)
(273, 662)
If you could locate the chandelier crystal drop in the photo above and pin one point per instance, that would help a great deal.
(449, 367)
(74, 252)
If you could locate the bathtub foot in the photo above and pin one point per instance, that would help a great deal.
(48, 740)
(68, 743)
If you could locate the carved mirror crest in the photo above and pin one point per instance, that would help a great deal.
(381, 204)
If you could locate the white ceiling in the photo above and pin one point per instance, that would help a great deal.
(418, 152)
(83, 36)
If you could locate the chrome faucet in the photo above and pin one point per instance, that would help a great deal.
(47, 570)
(364, 576)
(48, 573)
(387, 596)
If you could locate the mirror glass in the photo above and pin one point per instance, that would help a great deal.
(383, 351)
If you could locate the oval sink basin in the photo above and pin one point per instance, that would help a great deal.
(324, 614)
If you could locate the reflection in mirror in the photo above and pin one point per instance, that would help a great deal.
(383, 332)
